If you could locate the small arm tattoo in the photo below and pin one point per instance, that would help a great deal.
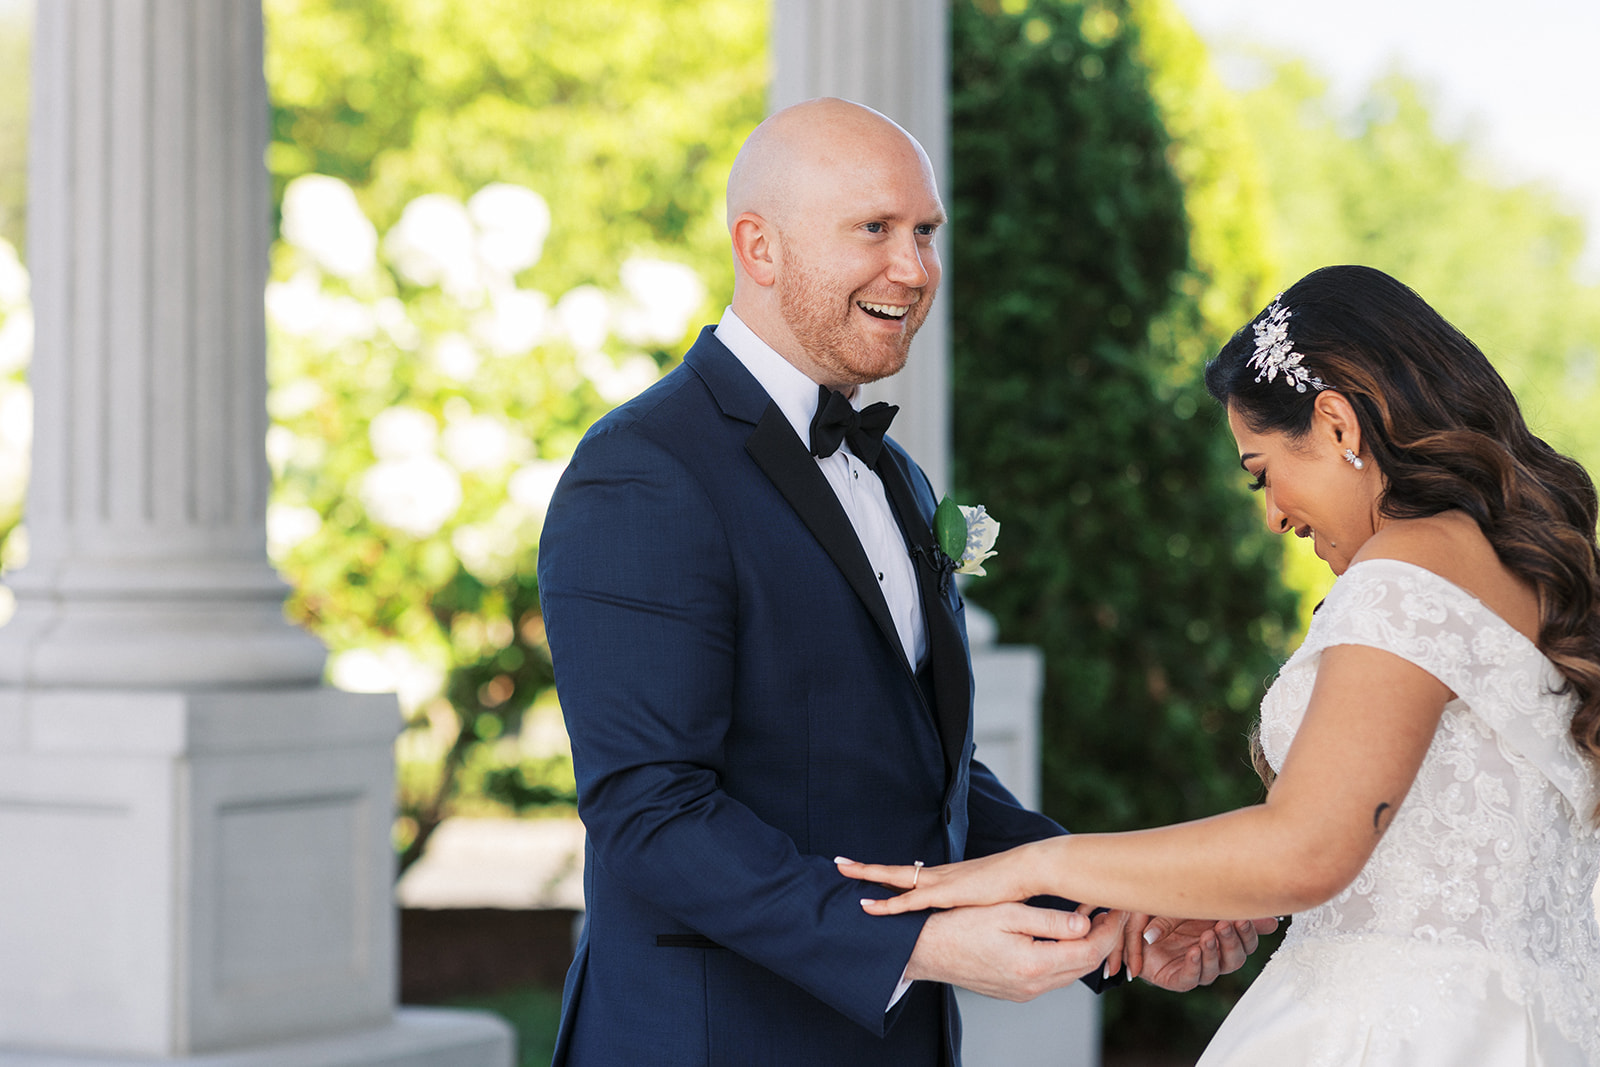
(1377, 816)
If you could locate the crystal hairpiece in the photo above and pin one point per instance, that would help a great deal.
(1274, 354)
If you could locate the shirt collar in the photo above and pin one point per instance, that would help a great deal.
(788, 386)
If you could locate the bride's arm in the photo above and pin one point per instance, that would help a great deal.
(1371, 718)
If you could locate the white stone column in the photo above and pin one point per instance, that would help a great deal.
(893, 55)
(148, 247)
(194, 834)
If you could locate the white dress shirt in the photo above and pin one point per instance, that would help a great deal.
(856, 485)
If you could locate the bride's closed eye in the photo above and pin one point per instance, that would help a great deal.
(1260, 482)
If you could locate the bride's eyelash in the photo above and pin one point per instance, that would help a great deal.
(1260, 483)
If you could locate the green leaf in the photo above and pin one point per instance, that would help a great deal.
(950, 528)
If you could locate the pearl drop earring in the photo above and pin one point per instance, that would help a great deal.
(1354, 460)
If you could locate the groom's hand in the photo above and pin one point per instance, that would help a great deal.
(1186, 953)
(1012, 951)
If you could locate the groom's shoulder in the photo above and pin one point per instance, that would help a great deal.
(678, 397)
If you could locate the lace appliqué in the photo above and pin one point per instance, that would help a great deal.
(1487, 870)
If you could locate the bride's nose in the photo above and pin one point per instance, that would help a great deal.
(1277, 521)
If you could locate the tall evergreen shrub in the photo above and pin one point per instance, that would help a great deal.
(1131, 554)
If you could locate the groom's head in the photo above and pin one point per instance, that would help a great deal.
(832, 210)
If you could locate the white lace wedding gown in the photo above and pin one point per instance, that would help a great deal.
(1469, 939)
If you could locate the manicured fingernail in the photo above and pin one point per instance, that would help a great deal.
(865, 901)
(842, 859)
(1151, 933)
(1105, 972)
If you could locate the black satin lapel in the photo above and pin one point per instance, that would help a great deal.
(784, 460)
(952, 681)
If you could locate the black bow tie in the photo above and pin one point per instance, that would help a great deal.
(836, 420)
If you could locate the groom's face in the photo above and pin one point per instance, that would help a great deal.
(859, 266)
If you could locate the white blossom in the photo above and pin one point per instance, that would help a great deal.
(16, 340)
(288, 525)
(435, 243)
(982, 530)
(585, 317)
(478, 442)
(664, 298)
(13, 277)
(456, 357)
(321, 217)
(514, 322)
(512, 222)
(402, 432)
(417, 495)
(391, 669)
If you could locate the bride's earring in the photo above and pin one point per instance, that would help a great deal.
(1354, 460)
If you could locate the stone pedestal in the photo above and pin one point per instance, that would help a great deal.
(1061, 1028)
(193, 871)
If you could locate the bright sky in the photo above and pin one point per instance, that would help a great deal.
(1522, 78)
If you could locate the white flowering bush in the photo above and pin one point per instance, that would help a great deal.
(424, 400)
(16, 408)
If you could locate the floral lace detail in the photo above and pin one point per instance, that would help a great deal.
(1491, 860)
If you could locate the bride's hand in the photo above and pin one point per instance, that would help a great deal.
(991, 880)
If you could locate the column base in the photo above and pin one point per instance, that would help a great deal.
(417, 1037)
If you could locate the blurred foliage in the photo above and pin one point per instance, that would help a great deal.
(16, 410)
(1377, 183)
(624, 114)
(16, 29)
(1079, 330)
(427, 390)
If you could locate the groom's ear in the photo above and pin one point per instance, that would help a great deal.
(754, 248)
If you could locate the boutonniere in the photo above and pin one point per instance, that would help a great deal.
(964, 535)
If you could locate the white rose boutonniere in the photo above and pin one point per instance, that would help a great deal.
(966, 535)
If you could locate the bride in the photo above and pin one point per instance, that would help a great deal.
(1431, 750)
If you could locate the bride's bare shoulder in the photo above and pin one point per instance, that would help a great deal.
(1452, 546)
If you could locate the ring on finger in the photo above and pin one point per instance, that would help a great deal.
(916, 872)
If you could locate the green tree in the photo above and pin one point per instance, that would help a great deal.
(624, 114)
(1377, 183)
(1082, 312)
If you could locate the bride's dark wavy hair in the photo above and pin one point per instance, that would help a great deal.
(1446, 434)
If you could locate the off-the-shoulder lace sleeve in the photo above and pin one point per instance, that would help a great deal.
(1413, 613)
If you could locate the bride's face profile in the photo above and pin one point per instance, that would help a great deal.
(1306, 483)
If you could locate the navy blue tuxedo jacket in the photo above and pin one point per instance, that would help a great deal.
(741, 711)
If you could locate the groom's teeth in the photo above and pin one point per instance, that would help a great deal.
(888, 310)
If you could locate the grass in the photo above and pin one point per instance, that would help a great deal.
(533, 1012)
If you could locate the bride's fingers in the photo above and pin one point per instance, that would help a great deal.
(896, 905)
(1133, 944)
(881, 873)
(895, 875)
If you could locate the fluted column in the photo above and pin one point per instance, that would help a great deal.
(148, 241)
(893, 56)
